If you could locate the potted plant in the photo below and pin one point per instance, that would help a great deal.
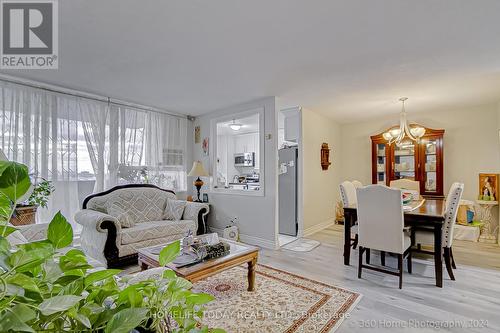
(45, 288)
(25, 212)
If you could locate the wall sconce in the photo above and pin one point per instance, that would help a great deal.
(325, 156)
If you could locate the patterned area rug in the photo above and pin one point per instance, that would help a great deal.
(281, 302)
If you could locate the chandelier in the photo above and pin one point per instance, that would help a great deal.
(397, 135)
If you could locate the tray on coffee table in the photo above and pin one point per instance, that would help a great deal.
(239, 253)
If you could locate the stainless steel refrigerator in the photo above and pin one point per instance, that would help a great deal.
(288, 191)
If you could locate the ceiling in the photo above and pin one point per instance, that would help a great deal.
(348, 59)
(249, 124)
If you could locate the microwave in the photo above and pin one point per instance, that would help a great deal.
(244, 159)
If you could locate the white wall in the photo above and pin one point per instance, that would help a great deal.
(257, 214)
(320, 188)
(471, 144)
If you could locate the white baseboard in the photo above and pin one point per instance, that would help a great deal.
(318, 227)
(252, 240)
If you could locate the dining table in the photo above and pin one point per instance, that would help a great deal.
(425, 214)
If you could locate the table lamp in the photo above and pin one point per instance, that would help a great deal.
(198, 171)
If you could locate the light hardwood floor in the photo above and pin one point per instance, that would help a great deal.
(473, 300)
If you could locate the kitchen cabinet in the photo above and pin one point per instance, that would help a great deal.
(292, 124)
(421, 161)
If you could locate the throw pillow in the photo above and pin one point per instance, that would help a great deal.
(121, 214)
(174, 209)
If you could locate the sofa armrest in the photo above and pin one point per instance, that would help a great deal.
(89, 218)
(34, 232)
(99, 235)
(197, 211)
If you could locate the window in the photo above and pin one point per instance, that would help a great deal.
(86, 146)
(238, 158)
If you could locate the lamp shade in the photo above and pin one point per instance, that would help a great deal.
(198, 170)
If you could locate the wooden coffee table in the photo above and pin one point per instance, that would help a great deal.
(238, 254)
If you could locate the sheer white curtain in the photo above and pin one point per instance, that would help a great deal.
(151, 148)
(41, 130)
(95, 124)
(86, 146)
(165, 150)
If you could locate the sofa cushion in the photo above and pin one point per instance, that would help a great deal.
(156, 229)
(174, 210)
(136, 205)
(120, 212)
(99, 203)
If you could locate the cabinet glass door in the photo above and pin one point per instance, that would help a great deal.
(381, 164)
(404, 161)
(430, 171)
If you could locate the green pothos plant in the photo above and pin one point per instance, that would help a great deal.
(46, 286)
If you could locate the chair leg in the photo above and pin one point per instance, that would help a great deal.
(360, 263)
(409, 262)
(368, 256)
(447, 261)
(452, 259)
(400, 268)
(382, 258)
(355, 243)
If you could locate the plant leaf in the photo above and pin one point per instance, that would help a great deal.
(126, 320)
(60, 232)
(14, 180)
(58, 303)
(24, 312)
(4, 245)
(169, 274)
(6, 230)
(84, 320)
(100, 275)
(15, 320)
(30, 256)
(6, 208)
(169, 252)
(24, 281)
(199, 299)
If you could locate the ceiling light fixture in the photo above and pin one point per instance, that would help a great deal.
(235, 126)
(397, 135)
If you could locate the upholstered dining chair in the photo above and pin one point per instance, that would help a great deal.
(381, 227)
(348, 196)
(426, 237)
(357, 183)
(405, 184)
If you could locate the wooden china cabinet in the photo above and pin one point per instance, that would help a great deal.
(421, 161)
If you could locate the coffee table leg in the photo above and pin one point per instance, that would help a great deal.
(251, 274)
(144, 266)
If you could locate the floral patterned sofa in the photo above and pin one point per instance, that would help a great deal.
(118, 222)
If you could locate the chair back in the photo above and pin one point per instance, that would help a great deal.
(405, 184)
(357, 183)
(348, 193)
(380, 218)
(450, 216)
